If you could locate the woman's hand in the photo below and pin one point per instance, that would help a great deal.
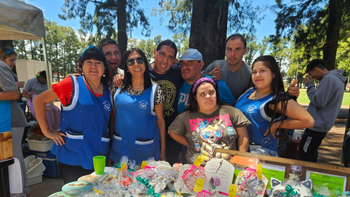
(162, 156)
(56, 136)
(272, 130)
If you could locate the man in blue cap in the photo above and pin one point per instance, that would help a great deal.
(191, 65)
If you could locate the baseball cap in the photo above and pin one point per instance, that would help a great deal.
(191, 54)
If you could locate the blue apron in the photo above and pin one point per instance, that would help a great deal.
(136, 132)
(84, 123)
(260, 122)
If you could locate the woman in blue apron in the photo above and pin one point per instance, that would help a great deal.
(267, 105)
(139, 126)
(86, 105)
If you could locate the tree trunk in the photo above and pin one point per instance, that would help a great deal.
(334, 23)
(208, 29)
(121, 19)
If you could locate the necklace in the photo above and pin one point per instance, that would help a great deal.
(256, 95)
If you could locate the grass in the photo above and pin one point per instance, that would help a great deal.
(304, 99)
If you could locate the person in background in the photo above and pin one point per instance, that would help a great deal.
(267, 105)
(325, 102)
(85, 113)
(111, 51)
(208, 124)
(9, 92)
(35, 85)
(139, 123)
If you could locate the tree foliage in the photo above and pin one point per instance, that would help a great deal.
(62, 44)
(315, 23)
(252, 48)
(107, 13)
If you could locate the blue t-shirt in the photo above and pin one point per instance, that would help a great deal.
(224, 92)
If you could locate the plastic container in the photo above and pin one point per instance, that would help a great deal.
(34, 165)
(41, 146)
(35, 179)
(50, 162)
(35, 169)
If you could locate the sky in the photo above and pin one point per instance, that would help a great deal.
(51, 9)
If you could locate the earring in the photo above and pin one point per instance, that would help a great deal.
(103, 75)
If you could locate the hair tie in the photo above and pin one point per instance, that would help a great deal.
(93, 47)
(201, 80)
(9, 51)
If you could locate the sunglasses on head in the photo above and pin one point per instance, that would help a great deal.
(131, 62)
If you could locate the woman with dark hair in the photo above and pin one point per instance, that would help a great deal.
(139, 121)
(208, 124)
(11, 114)
(85, 112)
(267, 105)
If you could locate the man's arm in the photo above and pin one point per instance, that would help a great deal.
(322, 95)
(209, 68)
(9, 87)
(9, 95)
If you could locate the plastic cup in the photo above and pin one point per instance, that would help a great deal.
(99, 164)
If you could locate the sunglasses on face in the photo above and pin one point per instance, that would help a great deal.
(131, 62)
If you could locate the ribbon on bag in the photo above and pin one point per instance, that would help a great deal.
(290, 191)
(203, 193)
(150, 188)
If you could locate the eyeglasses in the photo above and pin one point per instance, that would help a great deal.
(131, 62)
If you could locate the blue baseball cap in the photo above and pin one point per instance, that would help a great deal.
(191, 54)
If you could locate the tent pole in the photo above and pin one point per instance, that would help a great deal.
(49, 82)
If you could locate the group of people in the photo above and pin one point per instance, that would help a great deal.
(159, 109)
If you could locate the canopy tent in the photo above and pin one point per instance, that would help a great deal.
(20, 21)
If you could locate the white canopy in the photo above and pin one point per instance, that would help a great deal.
(20, 21)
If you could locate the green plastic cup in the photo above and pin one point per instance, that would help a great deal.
(99, 164)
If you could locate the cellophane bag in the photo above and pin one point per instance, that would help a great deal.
(248, 184)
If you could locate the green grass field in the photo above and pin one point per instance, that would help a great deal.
(305, 100)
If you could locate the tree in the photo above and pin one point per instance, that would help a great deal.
(325, 21)
(252, 48)
(281, 52)
(125, 13)
(182, 43)
(207, 21)
(264, 45)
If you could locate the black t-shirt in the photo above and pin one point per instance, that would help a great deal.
(170, 82)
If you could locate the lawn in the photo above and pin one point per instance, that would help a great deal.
(305, 100)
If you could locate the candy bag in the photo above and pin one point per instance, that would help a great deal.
(249, 184)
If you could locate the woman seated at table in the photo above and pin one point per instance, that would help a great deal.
(139, 124)
(208, 124)
(86, 107)
(267, 105)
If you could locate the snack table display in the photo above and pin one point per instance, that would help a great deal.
(244, 175)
